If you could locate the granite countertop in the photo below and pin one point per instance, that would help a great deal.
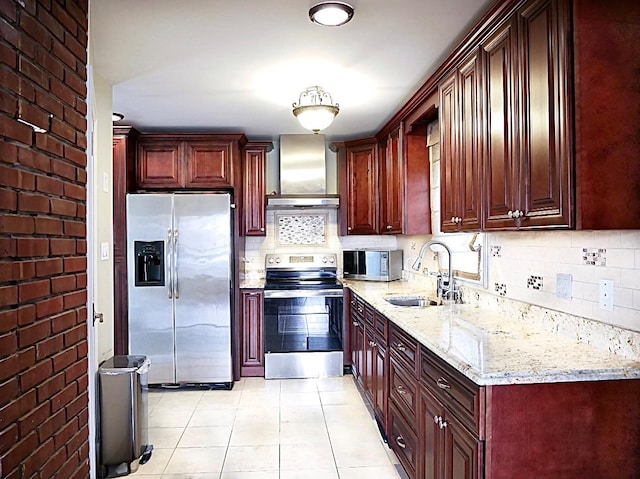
(252, 283)
(491, 348)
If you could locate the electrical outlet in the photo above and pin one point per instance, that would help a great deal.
(563, 285)
(606, 294)
(104, 251)
(105, 182)
(413, 245)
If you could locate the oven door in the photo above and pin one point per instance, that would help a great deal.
(303, 333)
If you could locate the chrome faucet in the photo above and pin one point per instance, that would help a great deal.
(445, 290)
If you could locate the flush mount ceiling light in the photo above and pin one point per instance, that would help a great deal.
(315, 109)
(331, 14)
(117, 117)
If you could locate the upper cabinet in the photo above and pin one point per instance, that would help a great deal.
(391, 183)
(253, 188)
(188, 161)
(529, 164)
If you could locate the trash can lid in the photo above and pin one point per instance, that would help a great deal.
(122, 364)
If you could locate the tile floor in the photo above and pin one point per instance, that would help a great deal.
(276, 429)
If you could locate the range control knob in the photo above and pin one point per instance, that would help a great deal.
(324, 259)
(270, 260)
(332, 260)
(278, 260)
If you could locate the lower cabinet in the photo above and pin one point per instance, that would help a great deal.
(252, 354)
(403, 440)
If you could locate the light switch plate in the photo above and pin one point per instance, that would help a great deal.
(564, 282)
(105, 182)
(606, 294)
(104, 251)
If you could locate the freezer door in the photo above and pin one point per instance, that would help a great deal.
(202, 226)
(151, 328)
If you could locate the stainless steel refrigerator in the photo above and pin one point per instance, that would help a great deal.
(180, 287)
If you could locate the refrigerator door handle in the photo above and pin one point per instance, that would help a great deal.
(176, 291)
(169, 272)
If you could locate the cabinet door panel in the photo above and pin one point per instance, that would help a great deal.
(381, 392)
(433, 437)
(253, 205)
(448, 155)
(391, 185)
(160, 165)
(252, 334)
(500, 169)
(462, 452)
(403, 441)
(362, 174)
(208, 164)
(545, 157)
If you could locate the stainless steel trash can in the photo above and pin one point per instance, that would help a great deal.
(123, 402)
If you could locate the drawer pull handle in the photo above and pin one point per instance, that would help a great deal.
(400, 347)
(400, 389)
(443, 384)
(436, 419)
(372, 344)
(400, 442)
(360, 310)
(353, 303)
(356, 323)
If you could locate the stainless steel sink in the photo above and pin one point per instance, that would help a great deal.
(421, 301)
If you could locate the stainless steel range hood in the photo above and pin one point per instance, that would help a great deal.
(303, 174)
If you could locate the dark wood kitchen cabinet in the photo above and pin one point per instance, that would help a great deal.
(528, 168)
(356, 327)
(188, 161)
(461, 148)
(253, 188)
(391, 183)
(252, 354)
(358, 167)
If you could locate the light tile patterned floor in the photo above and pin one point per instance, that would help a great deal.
(275, 429)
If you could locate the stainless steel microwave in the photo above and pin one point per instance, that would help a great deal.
(372, 265)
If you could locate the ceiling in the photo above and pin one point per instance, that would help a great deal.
(238, 65)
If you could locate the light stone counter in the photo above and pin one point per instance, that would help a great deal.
(489, 347)
(252, 283)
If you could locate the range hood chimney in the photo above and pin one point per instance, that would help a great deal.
(303, 174)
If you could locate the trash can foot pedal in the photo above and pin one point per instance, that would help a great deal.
(146, 455)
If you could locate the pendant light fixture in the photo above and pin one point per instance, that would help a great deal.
(315, 109)
(331, 14)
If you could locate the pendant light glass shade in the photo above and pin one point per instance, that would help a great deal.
(315, 109)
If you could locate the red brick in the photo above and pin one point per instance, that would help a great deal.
(48, 184)
(9, 272)
(63, 321)
(32, 72)
(8, 104)
(28, 202)
(27, 180)
(63, 207)
(80, 51)
(26, 314)
(49, 63)
(33, 290)
(7, 247)
(63, 130)
(33, 463)
(75, 191)
(30, 247)
(81, 315)
(34, 159)
(61, 284)
(16, 455)
(9, 437)
(67, 470)
(10, 177)
(8, 344)
(34, 419)
(79, 12)
(8, 9)
(48, 226)
(33, 114)
(63, 92)
(49, 307)
(77, 405)
(74, 228)
(15, 130)
(35, 375)
(81, 176)
(81, 138)
(8, 295)
(48, 267)
(81, 280)
(60, 401)
(83, 385)
(77, 156)
(51, 345)
(77, 298)
(51, 23)
(75, 443)
(26, 269)
(49, 144)
(73, 80)
(51, 426)
(64, 54)
(76, 371)
(83, 349)
(8, 32)
(83, 470)
(8, 56)
(36, 30)
(53, 464)
(32, 334)
(63, 168)
(8, 200)
(47, 102)
(8, 154)
(10, 81)
(16, 224)
(8, 320)
(8, 391)
(62, 246)
(75, 335)
(81, 246)
(76, 264)
(64, 359)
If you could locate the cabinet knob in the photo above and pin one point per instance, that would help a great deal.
(262, 229)
(360, 310)
(510, 214)
(353, 302)
(356, 323)
(400, 442)
(400, 347)
(436, 419)
(389, 227)
(459, 220)
(443, 384)
(401, 390)
(348, 228)
(372, 344)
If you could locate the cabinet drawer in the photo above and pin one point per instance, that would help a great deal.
(404, 347)
(403, 389)
(380, 325)
(357, 307)
(403, 441)
(456, 392)
(369, 313)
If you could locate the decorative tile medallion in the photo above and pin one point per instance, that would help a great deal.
(302, 229)
(534, 282)
(501, 289)
(594, 256)
(496, 251)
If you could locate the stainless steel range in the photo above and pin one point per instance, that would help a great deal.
(303, 317)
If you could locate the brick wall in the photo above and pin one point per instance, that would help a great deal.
(43, 335)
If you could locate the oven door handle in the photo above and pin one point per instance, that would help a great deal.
(303, 293)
